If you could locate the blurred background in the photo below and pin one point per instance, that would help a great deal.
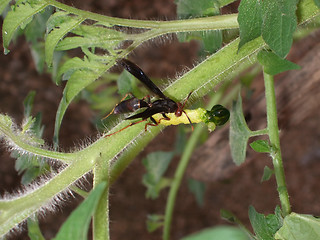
(227, 186)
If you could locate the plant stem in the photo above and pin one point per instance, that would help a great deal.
(21, 144)
(101, 215)
(259, 132)
(196, 24)
(275, 143)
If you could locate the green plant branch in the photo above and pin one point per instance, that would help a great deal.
(15, 210)
(259, 132)
(20, 143)
(273, 130)
(80, 192)
(100, 222)
(197, 24)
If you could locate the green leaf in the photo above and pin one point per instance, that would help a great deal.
(73, 87)
(31, 166)
(261, 146)
(191, 8)
(3, 5)
(239, 133)
(198, 189)
(6, 124)
(32, 124)
(35, 30)
(28, 103)
(267, 173)
(69, 67)
(299, 226)
(78, 81)
(228, 216)
(59, 24)
(37, 52)
(273, 64)
(77, 225)
(278, 214)
(219, 233)
(56, 64)
(92, 36)
(279, 24)
(20, 15)
(30, 175)
(232, 218)
(101, 100)
(126, 83)
(103, 58)
(34, 231)
(156, 164)
(264, 226)
(181, 140)
(75, 64)
(317, 2)
(82, 73)
(250, 20)
(154, 222)
(211, 40)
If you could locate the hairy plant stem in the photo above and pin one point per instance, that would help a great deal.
(101, 215)
(259, 132)
(275, 143)
(196, 24)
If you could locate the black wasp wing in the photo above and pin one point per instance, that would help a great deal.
(149, 112)
(138, 73)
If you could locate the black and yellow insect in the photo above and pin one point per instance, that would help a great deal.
(165, 111)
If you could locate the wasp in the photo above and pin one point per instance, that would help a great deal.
(164, 110)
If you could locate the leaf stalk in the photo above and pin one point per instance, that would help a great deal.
(275, 143)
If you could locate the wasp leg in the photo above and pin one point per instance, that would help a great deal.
(154, 123)
(168, 119)
(147, 98)
(165, 117)
(182, 107)
(131, 124)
